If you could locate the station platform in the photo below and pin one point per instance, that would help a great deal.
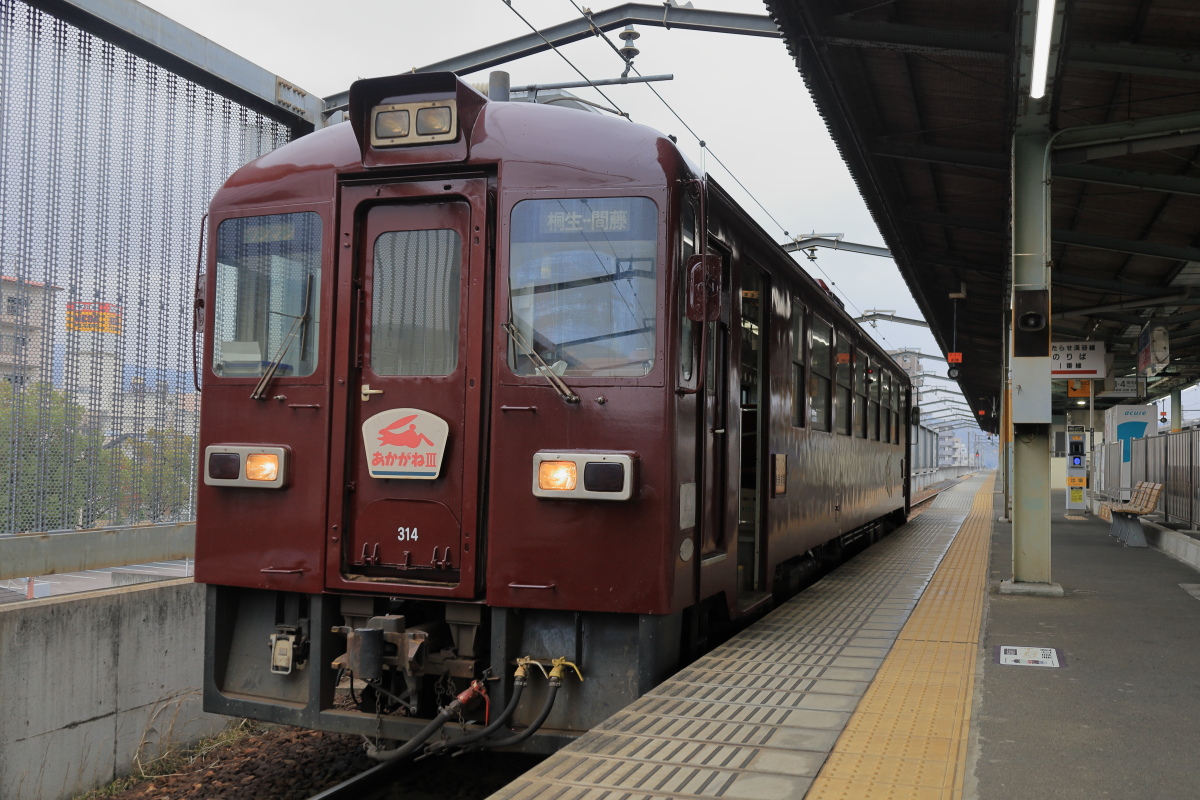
(887, 679)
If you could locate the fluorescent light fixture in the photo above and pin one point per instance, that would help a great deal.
(1041, 48)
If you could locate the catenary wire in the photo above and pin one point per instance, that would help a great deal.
(587, 15)
(564, 58)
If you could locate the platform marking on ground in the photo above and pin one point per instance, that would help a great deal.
(1018, 656)
(908, 736)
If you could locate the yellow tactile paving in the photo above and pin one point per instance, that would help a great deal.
(907, 740)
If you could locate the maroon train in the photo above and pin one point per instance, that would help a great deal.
(494, 382)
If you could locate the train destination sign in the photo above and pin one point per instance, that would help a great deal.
(1077, 360)
(405, 443)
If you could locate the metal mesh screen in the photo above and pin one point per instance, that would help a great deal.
(107, 163)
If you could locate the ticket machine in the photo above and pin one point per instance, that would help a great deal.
(1076, 468)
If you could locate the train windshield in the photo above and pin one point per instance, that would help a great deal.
(582, 285)
(268, 295)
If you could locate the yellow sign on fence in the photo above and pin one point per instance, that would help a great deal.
(94, 317)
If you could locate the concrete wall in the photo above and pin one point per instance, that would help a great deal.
(89, 681)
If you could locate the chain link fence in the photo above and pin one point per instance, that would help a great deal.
(107, 163)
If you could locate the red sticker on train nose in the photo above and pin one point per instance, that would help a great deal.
(405, 443)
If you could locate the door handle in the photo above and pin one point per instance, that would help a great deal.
(367, 391)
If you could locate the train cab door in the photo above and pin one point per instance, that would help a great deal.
(413, 311)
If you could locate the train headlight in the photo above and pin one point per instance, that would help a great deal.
(606, 476)
(406, 124)
(246, 466)
(391, 124)
(433, 121)
(262, 467)
(557, 476)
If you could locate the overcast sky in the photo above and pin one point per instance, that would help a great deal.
(743, 95)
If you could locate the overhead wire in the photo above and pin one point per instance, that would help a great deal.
(587, 15)
(564, 58)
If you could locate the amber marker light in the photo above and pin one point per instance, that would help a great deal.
(559, 476)
(262, 467)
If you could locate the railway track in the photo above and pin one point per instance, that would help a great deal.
(466, 777)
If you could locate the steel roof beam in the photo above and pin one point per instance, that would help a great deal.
(657, 16)
(836, 244)
(163, 41)
(692, 19)
(1159, 61)
(1117, 287)
(942, 155)
(1173, 300)
(917, 354)
(920, 323)
(1134, 246)
(1128, 131)
(1174, 184)
(845, 32)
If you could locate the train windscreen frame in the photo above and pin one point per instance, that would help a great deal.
(583, 286)
(268, 295)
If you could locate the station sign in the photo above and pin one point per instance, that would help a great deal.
(1126, 387)
(94, 317)
(1079, 388)
(1154, 350)
(1070, 360)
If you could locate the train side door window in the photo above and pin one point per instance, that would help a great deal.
(873, 392)
(415, 296)
(687, 328)
(268, 295)
(820, 374)
(798, 347)
(844, 395)
(860, 389)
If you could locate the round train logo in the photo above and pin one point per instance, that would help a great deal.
(405, 443)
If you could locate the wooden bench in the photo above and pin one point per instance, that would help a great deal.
(1125, 517)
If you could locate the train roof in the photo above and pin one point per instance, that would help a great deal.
(525, 139)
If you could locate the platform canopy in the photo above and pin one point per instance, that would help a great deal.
(924, 97)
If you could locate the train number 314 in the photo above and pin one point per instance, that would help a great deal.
(407, 534)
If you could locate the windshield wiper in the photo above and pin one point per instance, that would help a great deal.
(298, 323)
(543, 368)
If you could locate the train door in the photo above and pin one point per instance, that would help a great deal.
(714, 425)
(750, 313)
(413, 389)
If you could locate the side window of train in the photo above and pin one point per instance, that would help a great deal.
(897, 388)
(687, 328)
(885, 409)
(798, 346)
(844, 397)
(820, 374)
(860, 389)
(268, 295)
(873, 410)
